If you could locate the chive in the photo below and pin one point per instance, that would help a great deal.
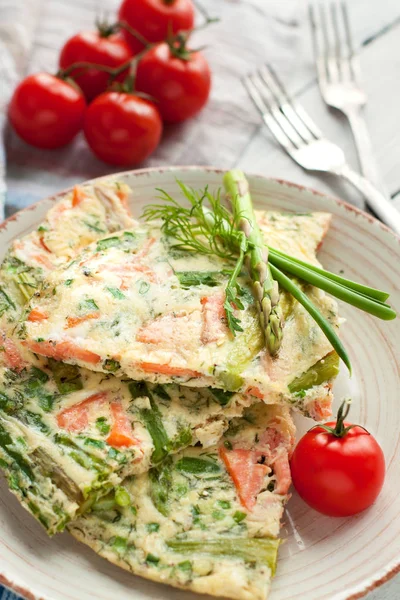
(326, 327)
(68, 282)
(224, 504)
(352, 285)
(318, 279)
(152, 527)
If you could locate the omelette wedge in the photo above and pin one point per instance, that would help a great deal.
(155, 313)
(206, 520)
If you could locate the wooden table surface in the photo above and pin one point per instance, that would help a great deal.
(228, 132)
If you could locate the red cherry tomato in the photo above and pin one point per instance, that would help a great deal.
(122, 129)
(46, 111)
(155, 19)
(94, 47)
(338, 475)
(181, 87)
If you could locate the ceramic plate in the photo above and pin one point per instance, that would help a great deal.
(322, 558)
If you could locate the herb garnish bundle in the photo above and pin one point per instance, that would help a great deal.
(208, 227)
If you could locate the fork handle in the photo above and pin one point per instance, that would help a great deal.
(381, 206)
(364, 146)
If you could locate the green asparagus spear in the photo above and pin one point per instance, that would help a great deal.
(262, 550)
(191, 464)
(265, 288)
(323, 370)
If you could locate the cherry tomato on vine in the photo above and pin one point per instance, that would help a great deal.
(338, 468)
(102, 47)
(121, 128)
(46, 111)
(156, 19)
(180, 81)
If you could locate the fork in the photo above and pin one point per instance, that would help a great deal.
(296, 132)
(339, 76)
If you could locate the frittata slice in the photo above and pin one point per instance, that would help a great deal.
(67, 435)
(206, 520)
(157, 313)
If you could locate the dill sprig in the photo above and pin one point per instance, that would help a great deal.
(208, 227)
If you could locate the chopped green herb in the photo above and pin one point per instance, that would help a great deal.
(122, 497)
(5, 302)
(185, 566)
(218, 515)
(67, 377)
(119, 544)
(161, 482)
(116, 292)
(94, 225)
(224, 504)
(197, 466)
(143, 287)
(239, 516)
(102, 425)
(150, 558)
(222, 397)
(68, 282)
(188, 279)
(160, 391)
(152, 527)
(94, 443)
(111, 365)
(88, 305)
(137, 389)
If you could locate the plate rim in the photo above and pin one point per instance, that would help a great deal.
(394, 567)
(208, 168)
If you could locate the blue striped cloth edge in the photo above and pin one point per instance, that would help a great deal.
(6, 594)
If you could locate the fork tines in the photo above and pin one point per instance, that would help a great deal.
(287, 121)
(332, 42)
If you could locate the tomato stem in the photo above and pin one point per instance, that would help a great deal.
(64, 73)
(105, 29)
(340, 429)
(138, 36)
